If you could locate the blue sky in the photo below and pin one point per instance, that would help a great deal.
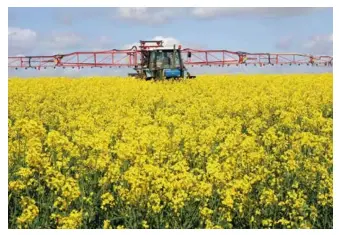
(49, 31)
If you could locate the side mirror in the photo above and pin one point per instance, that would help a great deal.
(189, 54)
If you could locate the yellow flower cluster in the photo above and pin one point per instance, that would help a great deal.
(68, 222)
(226, 151)
(29, 213)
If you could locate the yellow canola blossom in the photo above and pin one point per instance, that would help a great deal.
(107, 224)
(72, 221)
(29, 213)
(219, 151)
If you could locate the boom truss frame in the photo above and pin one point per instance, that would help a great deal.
(131, 58)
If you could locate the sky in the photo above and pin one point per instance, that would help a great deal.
(49, 31)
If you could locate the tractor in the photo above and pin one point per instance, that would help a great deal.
(160, 63)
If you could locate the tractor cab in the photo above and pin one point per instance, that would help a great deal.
(159, 62)
(166, 63)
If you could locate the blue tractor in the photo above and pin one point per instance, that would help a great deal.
(160, 63)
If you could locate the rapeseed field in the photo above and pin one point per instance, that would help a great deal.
(218, 151)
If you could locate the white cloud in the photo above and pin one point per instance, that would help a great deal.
(319, 44)
(70, 42)
(155, 15)
(19, 34)
(148, 15)
(167, 42)
(21, 40)
(135, 13)
(27, 41)
(161, 15)
(215, 12)
(62, 40)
